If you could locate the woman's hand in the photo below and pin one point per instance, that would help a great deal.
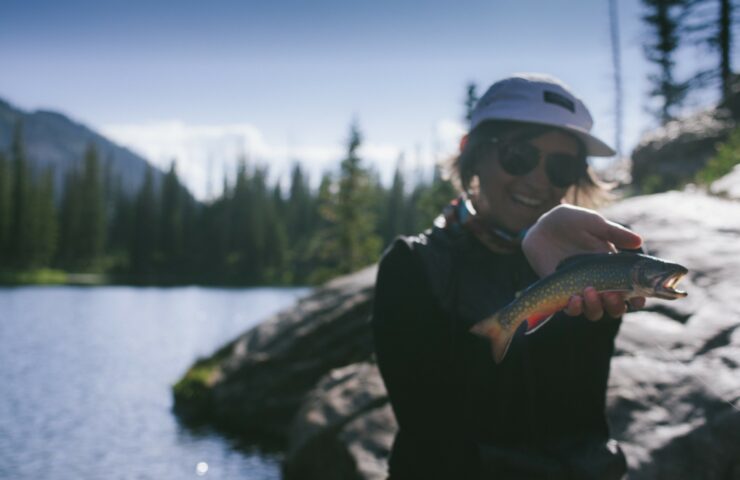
(565, 231)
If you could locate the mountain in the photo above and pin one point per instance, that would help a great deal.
(54, 140)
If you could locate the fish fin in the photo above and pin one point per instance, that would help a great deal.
(577, 258)
(535, 322)
(499, 336)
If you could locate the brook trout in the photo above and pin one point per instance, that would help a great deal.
(631, 273)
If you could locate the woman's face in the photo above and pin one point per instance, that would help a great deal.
(516, 202)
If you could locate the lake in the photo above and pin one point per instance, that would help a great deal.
(87, 373)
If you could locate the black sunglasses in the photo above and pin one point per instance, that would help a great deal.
(520, 158)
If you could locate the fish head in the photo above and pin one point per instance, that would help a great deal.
(653, 277)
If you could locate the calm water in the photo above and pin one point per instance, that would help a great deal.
(85, 377)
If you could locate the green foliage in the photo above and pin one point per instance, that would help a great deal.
(144, 243)
(471, 98)
(348, 239)
(44, 238)
(395, 211)
(728, 155)
(193, 387)
(42, 276)
(27, 212)
(196, 381)
(6, 207)
(83, 216)
(653, 184)
(22, 216)
(430, 200)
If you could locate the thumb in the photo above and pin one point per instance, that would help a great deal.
(621, 237)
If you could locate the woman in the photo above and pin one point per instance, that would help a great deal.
(540, 413)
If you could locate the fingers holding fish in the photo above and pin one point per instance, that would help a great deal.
(636, 303)
(589, 304)
(619, 236)
(614, 304)
(575, 306)
(592, 306)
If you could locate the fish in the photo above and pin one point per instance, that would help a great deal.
(635, 274)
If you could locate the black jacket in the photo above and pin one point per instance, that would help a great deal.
(539, 414)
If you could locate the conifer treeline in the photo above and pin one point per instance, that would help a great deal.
(254, 233)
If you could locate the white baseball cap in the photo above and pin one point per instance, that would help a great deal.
(542, 99)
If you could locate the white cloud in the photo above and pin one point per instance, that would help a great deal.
(205, 153)
(449, 133)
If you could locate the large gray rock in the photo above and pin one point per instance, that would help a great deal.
(306, 376)
(670, 156)
(255, 384)
(674, 391)
(344, 429)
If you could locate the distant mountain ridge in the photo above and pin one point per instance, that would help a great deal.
(52, 139)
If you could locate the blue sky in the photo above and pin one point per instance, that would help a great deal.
(203, 81)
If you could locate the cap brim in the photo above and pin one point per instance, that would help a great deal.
(594, 146)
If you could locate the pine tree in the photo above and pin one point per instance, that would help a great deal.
(432, 199)
(70, 220)
(242, 257)
(724, 44)
(45, 227)
(6, 209)
(301, 209)
(358, 243)
(665, 18)
(471, 98)
(120, 227)
(322, 258)
(92, 212)
(21, 224)
(301, 217)
(710, 23)
(191, 211)
(218, 223)
(395, 206)
(259, 209)
(144, 239)
(171, 232)
(276, 253)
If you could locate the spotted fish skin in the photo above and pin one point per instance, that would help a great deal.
(630, 273)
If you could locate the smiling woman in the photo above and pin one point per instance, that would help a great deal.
(538, 412)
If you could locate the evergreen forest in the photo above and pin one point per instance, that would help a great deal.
(254, 233)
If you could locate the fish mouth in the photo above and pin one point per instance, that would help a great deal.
(666, 286)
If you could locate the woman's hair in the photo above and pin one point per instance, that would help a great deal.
(588, 191)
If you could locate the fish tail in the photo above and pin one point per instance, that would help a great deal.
(499, 336)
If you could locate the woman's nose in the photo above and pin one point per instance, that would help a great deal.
(538, 176)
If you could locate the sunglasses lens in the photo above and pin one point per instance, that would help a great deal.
(519, 158)
(563, 170)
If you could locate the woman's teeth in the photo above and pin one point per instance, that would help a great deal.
(526, 201)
